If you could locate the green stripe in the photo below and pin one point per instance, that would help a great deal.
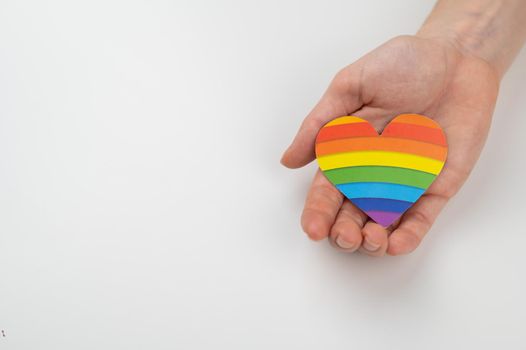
(393, 175)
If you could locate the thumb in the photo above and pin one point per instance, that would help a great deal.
(341, 98)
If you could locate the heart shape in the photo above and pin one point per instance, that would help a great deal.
(385, 174)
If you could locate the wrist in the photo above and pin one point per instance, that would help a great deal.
(463, 36)
(490, 30)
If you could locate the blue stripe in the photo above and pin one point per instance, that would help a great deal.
(380, 204)
(380, 190)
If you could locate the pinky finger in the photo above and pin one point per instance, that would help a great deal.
(415, 223)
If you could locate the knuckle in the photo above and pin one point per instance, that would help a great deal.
(423, 220)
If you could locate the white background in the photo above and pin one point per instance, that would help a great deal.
(142, 204)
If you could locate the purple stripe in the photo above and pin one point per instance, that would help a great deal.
(384, 218)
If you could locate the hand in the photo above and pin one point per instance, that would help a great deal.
(408, 74)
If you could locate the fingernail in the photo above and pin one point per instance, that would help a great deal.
(370, 246)
(342, 243)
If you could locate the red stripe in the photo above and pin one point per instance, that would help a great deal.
(342, 131)
(415, 132)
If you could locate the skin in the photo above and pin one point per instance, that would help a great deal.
(449, 71)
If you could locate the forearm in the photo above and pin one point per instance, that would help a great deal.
(493, 30)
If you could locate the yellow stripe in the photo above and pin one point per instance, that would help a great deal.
(344, 120)
(381, 158)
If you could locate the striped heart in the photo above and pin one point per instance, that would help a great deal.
(385, 174)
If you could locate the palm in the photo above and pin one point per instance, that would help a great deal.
(405, 75)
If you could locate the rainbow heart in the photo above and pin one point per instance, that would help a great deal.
(385, 174)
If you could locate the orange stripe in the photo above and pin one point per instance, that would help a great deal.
(416, 119)
(415, 132)
(342, 131)
(382, 144)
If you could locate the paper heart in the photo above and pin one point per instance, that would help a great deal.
(385, 174)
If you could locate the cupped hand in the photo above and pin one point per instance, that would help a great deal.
(408, 74)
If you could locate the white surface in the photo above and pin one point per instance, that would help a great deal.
(143, 206)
